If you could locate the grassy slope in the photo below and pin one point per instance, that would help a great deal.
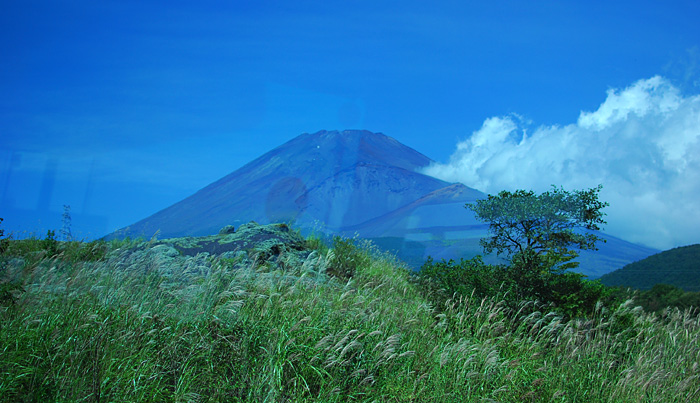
(115, 331)
(679, 267)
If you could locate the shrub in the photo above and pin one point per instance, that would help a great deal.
(317, 243)
(50, 244)
(441, 280)
(347, 257)
(662, 296)
(9, 292)
(567, 293)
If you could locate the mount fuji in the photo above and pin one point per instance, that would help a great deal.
(353, 182)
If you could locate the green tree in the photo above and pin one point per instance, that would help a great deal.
(539, 234)
(540, 230)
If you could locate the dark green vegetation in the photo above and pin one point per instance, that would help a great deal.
(667, 279)
(139, 320)
(679, 267)
(536, 233)
(566, 294)
(663, 296)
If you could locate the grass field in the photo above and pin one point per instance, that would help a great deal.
(86, 322)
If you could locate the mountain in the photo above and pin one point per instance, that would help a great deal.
(679, 267)
(334, 180)
(353, 182)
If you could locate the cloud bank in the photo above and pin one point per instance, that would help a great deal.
(642, 144)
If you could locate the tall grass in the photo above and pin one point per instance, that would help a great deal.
(140, 327)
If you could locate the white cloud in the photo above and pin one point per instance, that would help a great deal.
(642, 144)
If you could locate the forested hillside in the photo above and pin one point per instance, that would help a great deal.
(679, 267)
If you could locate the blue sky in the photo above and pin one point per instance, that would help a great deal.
(122, 108)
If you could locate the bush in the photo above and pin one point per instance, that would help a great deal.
(347, 257)
(567, 293)
(662, 296)
(50, 244)
(9, 292)
(317, 243)
(574, 296)
(441, 280)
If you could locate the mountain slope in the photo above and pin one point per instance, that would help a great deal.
(679, 267)
(328, 179)
(351, 183)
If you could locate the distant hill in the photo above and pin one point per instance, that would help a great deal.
(353, 182)
(679, 267)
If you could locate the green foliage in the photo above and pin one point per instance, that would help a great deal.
(662, 297)
(347, 257)
(317, 243)
(110, 330)
(536, 232)
(679, 267)
(573, 296)
(540, 229)
(126, 242)
(50, 244)
(32, 249)
(9, 292)
(9, 288)
(567, 293)
(84, 251)
(442, 281)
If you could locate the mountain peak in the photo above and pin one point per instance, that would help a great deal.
(347, 133)
(338, 178)
(349, 147)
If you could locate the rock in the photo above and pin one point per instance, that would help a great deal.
(229, 229)
(272, 250)
(260, 242)
(248, 226)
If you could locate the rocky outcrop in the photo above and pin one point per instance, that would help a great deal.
(229, 229)
(268, 247)
(259, 242)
